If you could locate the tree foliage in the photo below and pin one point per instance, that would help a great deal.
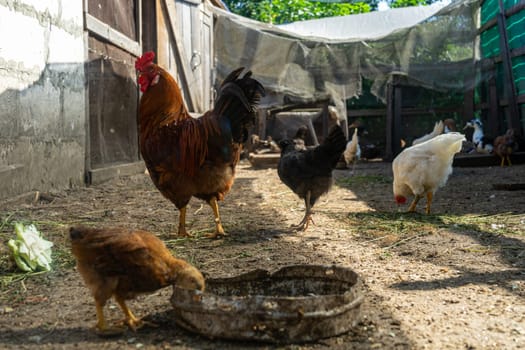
(286, 11)
(408, 3)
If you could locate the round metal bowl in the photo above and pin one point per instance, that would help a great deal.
(298, 303)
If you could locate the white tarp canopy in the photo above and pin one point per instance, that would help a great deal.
(432, 46)
(363, 26)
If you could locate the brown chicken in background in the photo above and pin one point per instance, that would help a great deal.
(193, 157)
(449, 125)
(122, 263)
(504, 146)
(300, 138)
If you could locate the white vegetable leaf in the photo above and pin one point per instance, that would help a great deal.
(30, 250)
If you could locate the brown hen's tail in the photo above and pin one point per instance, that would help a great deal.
(237, 101)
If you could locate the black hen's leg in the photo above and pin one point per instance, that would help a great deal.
(303, 225)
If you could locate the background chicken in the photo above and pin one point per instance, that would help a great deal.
(352, 152)
(449, 125)
(258, 146)
(438, 130)
(123, 263)
(368, 148)
(300, 137)
(505, 145)
(482, 143)
(188, 156)
(308, 172)
(421, 169)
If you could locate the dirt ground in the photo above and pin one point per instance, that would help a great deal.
(454, 279)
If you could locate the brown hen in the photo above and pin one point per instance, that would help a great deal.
(122, 263)
(504, 146)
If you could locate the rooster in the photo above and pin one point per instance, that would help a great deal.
(421, 169)
(308, 172)
(193, 157)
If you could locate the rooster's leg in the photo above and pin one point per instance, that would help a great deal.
(502, 161)
(412, 207)
(508, 160)
(182, 223)
(131, 320)
(429, 201)
(101, 326)
(219, 231)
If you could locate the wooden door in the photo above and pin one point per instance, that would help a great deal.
(185, 48)
(112, 41)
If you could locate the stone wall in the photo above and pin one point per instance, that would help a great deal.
(42, 95)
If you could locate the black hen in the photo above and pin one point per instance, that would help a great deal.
(308, 172)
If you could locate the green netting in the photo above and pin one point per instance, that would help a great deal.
(516, 30)
(490, 43)
(509, 3)
(489, 9)
(518, 70)
(429, 46)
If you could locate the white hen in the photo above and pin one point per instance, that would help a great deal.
(438, 130)
(421, 169)
(352, 152)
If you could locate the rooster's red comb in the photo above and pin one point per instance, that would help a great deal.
(146, 58)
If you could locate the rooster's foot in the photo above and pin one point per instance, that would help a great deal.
(216, 235)
(136, 323)
(184, 234)
(107, 332)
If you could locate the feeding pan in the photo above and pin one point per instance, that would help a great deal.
(298, 303)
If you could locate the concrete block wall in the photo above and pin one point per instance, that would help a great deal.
(42, 95)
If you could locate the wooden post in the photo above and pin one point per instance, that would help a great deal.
(389, 121)
(513, 120)
(393, 118)
(398, 105)
(325, 119)
(262, 114)
(492, 127)
(468, 105)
